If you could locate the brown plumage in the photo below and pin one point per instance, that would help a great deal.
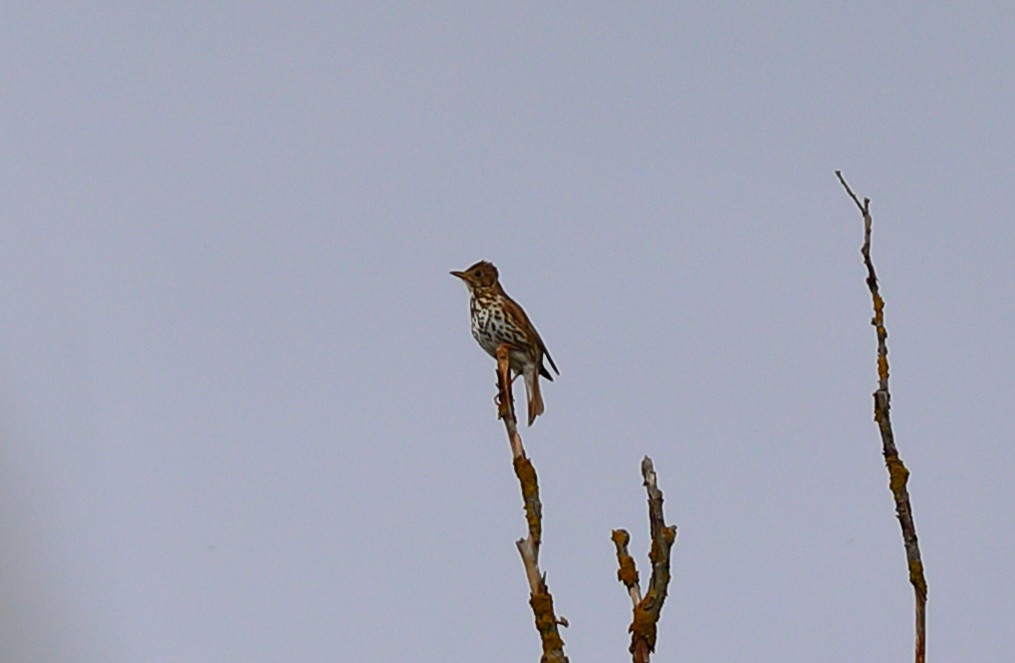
(498, 319)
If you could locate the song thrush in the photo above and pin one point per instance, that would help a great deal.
(497, 319)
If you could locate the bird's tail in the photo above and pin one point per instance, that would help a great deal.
(532, 391)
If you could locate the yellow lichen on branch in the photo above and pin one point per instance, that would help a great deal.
(546, 623)
(627, 572)
(526, 474)
(898, 475)
(643, 627)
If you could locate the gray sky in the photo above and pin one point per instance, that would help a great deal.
(242, 416)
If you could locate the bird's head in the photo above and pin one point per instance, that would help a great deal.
(481, 275)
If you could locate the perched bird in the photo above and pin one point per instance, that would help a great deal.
(498, 319)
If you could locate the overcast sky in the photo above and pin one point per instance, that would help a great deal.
(241, 414)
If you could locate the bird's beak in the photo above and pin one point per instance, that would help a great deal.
(460, 275)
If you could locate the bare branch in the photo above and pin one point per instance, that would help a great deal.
(898, 475)
(540, 598)
(647, 609)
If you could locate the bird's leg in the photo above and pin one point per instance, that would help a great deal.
(496, 397)
(503, 400)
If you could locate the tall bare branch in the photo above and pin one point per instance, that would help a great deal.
(898, 475)
(540, 598)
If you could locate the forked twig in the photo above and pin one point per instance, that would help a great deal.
(898, 475)
(647, 609)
